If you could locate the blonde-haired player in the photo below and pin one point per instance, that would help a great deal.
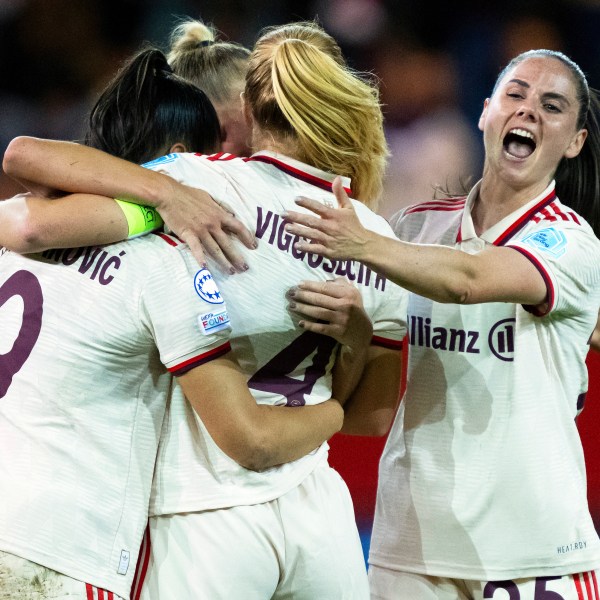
(312, 118)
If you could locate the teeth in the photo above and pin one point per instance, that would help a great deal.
(522, 133)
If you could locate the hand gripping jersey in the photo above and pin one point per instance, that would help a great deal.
(482, 476)
(86, 336)
(284, 365)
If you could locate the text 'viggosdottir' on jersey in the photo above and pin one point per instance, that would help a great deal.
(271, 226)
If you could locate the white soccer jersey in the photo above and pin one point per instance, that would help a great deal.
(482, 476)
(86, 336)
(284, 364)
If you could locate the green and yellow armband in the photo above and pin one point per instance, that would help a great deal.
(140, 219)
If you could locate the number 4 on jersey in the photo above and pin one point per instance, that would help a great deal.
(274, 376)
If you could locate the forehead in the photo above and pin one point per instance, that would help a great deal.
(544, 73)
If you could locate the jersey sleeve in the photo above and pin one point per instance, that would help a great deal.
(194, 170)
(183, 308)
(389, 318)
(568, 259)
(390, 314)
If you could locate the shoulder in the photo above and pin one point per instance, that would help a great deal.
(436, 215)
(371, 220)
(555, 226)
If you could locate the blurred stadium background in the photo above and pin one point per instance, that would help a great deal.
(436, 61)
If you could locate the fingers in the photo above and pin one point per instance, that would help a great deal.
(340, 193)
(208, 247)
(315, 327)
(195, 246)
(237, 228)
(228, 252)
(313, 205)
(339, 287)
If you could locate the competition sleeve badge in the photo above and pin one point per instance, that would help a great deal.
(550, 241)
(206, 287)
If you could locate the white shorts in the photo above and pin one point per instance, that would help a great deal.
(303, 545)
(21, 579)
(387, 584)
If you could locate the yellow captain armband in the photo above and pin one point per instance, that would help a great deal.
(140, 219)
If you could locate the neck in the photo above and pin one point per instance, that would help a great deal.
(281, 144)
(496, 200)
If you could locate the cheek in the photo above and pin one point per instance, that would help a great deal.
(237, 140)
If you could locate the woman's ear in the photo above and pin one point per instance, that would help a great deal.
(483, 116)
(576, 144)
(177, 147)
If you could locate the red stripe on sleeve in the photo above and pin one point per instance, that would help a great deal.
(100, 594)
(185, 366)
(549, 287)
(165, 237)
(89, 590)
(386, 343)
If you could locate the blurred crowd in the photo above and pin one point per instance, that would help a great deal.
(436, 65)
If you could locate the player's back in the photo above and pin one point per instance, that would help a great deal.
(82, 398)
(284, 364)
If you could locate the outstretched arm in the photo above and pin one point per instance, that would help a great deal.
(190, 213)
(443, 274)
(366, 378)
(257, 436)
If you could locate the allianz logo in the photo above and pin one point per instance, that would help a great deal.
(500, 339)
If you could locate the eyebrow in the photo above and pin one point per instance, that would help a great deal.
(547, 95)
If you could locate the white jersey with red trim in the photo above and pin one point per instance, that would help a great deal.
(86, 336)
(284, 364)
(482, 476)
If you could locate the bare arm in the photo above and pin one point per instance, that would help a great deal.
(190, 213)
(437, 272)
(366, 378)
(32, 224)
(256, 436)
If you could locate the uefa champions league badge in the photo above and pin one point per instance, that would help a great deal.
(206, 287)
(549, 240)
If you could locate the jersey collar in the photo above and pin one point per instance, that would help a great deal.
(505, 229)
(300, 170)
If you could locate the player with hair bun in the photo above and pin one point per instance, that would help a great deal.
(218, 68)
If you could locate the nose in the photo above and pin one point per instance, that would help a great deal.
(527, 111)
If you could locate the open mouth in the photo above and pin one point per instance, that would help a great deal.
(519, 143)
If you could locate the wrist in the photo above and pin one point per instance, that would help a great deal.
(158, 190)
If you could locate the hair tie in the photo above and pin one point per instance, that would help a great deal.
(205, 43)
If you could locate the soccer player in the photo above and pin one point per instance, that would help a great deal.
(218, 68)
(90, 338)
(294, 528)
(482, 488)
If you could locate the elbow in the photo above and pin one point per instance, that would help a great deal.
(13, 155)
(460, 290)
(255, 453)
(25, 236)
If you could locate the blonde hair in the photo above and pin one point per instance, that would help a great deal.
(299, 86)
(218, 68)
